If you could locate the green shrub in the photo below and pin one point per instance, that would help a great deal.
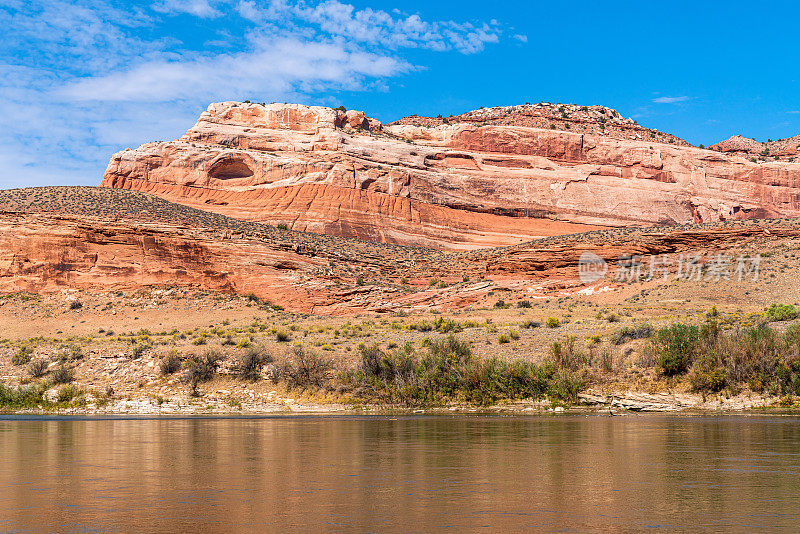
(524, 304)
(447, 372)
(282, 336)
(553, 322)
(676, 346)
(503, 338)
(781, 312)
(22, 396)
(565, 385)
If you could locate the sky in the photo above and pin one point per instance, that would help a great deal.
(82, 79)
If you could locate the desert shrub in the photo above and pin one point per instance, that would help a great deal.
(707, 377)
(421, 326)
(37, 368)
(676, 346)
(447, 326)
(565, 355)
(75, 305)
(22, 356)
(248, 365)
(530, 323)
(171, 363)
(612, 318)
(607, 360)
(513, 334)
(524, 304)
(502, 305)
(448, 372)
(552, 322)
(68, 393)
(282, 336)
(441, 325)
(305, 368)
(503, 338)
(140, 349)
(68, 353)
(201, 368)
(62, 375)
(752, 355)
(21, 396)
(758, 357)
(629, 333)
(565, 385)
(781, 312)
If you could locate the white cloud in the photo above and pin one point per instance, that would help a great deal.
(272, 69)
(198, 8)
(81, 79)
(376, 27)
(795, 112)
(671, 99)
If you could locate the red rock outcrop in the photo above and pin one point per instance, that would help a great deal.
(782, 149)
(457, 185)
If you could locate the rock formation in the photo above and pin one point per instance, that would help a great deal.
(102, 239)
(782, 149)
(487, 178)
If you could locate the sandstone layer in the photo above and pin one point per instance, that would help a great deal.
(454, 185)
(100, 239)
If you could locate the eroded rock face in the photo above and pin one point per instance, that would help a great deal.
(451, 185)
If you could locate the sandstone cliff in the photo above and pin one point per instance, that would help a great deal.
(490, 178)
(99, 239)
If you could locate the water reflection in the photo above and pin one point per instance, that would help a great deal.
(410, 474)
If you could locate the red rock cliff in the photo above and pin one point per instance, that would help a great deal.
(450, 185)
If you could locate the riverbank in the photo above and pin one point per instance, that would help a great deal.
(221, 402)
(200, 353)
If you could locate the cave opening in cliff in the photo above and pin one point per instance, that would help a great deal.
(230, 169)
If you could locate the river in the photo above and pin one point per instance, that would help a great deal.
(401, 474)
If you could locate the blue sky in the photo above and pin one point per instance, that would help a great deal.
(81, 79)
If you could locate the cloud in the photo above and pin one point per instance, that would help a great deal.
(81, 79)
(198, 8)
(671, 99)
(377, 27)
(272, 69)
(795, 112)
